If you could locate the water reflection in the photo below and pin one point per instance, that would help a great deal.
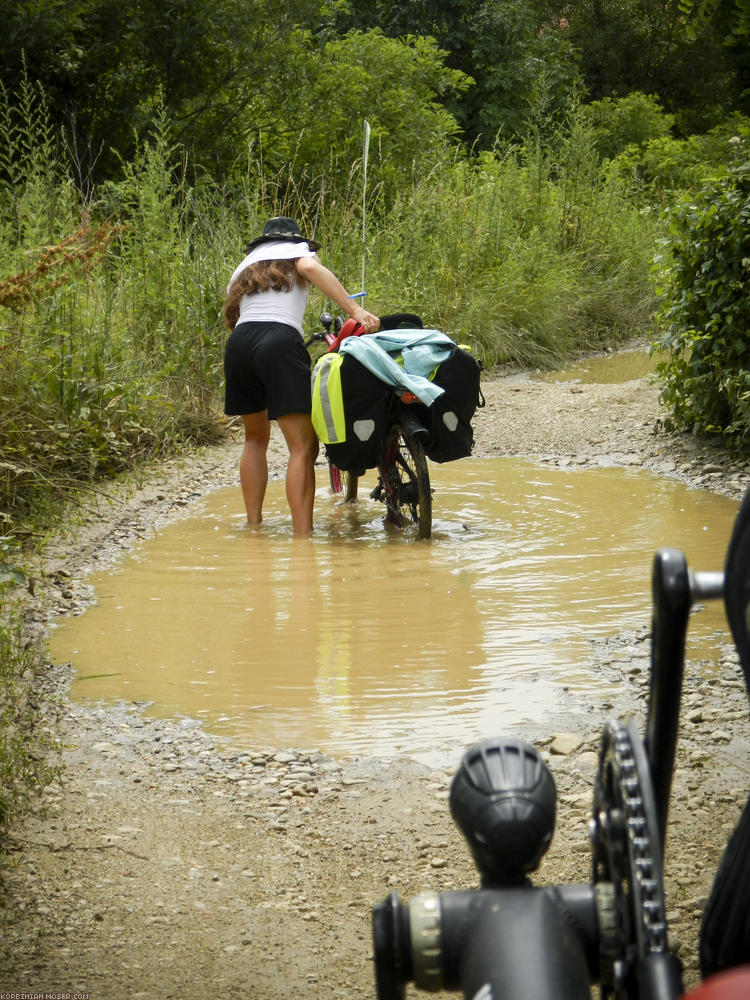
(364, 641)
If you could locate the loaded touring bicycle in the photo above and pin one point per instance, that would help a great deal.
(390, 401)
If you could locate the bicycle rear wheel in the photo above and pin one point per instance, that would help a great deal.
(343, 484)
(405, 482)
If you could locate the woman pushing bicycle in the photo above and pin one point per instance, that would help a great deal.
(266, 365)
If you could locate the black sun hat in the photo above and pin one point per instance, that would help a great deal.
(284, 229)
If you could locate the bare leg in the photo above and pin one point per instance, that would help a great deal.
(253, 464)
(302, 442)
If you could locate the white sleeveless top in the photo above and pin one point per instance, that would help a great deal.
(275, 307)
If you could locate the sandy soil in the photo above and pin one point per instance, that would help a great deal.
(163, 864)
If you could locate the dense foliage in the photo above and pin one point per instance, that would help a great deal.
(706, 315)
(238, 74)
(691, 59)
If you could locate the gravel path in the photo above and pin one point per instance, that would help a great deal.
(163, 864)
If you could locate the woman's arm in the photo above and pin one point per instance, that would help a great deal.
(329, 284)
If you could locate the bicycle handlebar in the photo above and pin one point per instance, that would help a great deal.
(315, 337)
(508, 939)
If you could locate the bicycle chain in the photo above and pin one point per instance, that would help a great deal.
(627, 854)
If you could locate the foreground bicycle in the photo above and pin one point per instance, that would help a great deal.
(372, 409)
(510, 939)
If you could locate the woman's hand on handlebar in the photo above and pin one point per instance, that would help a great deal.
(370, 322)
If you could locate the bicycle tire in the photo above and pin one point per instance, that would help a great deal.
(405, 480)
(343, 484)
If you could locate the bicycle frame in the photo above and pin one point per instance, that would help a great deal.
(675, 589)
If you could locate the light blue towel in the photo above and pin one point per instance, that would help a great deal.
(421, 351)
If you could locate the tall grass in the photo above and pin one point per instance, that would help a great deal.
(526, 255)
(108, 319)
(111, 336)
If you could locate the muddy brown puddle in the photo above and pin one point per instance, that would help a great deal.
(367, 641)
(606, 369)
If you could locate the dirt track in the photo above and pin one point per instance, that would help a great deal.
(164, 865)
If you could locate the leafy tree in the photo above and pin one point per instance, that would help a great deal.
(393, 83)
(523, 66)
(643, 45)
(101, 61)
(700, 13)
(502, 45)
(626, 121)
(706, 311)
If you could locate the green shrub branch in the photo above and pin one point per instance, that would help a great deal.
(705, 313)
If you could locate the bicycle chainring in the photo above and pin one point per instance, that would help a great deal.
(627, 859)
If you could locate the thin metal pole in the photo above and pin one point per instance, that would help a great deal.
(365, 151)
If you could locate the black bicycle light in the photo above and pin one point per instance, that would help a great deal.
(503, 799)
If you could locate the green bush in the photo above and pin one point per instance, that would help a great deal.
(664, 167)
(627, 121)
(705, 313)
(528, 255)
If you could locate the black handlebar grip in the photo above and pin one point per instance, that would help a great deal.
(392, 941)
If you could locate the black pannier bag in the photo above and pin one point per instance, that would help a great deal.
(450, 416)
(365, 401)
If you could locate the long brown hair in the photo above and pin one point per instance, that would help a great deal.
(279, 275)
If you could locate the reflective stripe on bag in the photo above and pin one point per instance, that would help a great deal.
(328, 400)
